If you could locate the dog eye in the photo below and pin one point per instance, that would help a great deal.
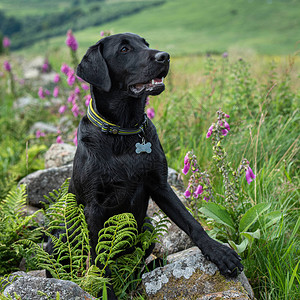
(124, 49)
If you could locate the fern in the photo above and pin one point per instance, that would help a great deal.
(15, 226)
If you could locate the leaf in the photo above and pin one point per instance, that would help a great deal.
(239, 248)
(218, 213)
(251, 235)
(272, 218)
(251, 216)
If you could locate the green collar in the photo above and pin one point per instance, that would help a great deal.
(110, 128)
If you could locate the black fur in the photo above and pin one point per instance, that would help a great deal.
(109, 177)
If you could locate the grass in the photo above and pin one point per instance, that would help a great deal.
(204, 26)
(261, 95)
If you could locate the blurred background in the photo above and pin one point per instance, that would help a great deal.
(269, 27)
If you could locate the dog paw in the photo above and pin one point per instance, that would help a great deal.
(225, 258)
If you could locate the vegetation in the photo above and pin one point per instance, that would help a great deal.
(260, 93)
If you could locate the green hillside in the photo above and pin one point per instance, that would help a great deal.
(201, 26)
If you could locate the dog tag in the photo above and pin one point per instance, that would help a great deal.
(144, 147)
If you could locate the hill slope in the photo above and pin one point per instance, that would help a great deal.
(201, 26)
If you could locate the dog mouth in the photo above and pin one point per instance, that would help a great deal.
(152, 86)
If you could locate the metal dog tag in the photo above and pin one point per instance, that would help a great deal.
(144, 147)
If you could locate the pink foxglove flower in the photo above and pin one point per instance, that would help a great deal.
(55, 92)
(209, 132)
(41, 93)
(6, 42)
(102, 33)
(75, 138)
(39, 134)
(85, 87)
(71, 77)
(150, 113)
(249, 175)
(199, 190)
(62, 109)
(56, 78)
(87, 100)
(65, 69)
(187, 164)
(45, 66)
(77, 90)
(59, 140)
(224, 132)
(7, 66)
(75, 110)
(187, 193)
(71, 41)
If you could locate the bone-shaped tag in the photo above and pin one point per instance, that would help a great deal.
(145, 147)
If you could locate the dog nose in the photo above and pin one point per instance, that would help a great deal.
(162, 57)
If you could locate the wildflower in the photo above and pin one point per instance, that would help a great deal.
(7, 66)
(45, 66)
(41, 93)
(75, 138)
(199, 190)
(101, 33)
(65, 69)
(75, 110)
(226, 125)
(249, 175)
(47, 92)
(226, 116)
(6, 42)
(87, 100)
(209, 132)
(39, 134)
(71, 77)
(225, 55)
(56, 78)
(206, 199)
(71, 41)
(187, 193)
(77, 90)
(224, 132)
(55, 92)
(85, 87)
(150, 113)
(62, 109)
(147, 100)
(71, 98)
(59, 140)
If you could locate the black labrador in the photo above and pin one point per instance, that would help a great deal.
(119, 162)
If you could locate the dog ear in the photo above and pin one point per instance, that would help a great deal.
(93, 68)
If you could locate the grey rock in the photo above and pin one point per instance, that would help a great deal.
(42, 182)
(59, 155)
(23, 102)
(44, 127)
(190, 276)
(175, 179)
(27, 287)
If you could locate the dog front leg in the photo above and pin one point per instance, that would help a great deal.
(226, 259)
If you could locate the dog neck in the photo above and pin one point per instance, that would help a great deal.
(123, 110)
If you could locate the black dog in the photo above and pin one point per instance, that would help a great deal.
(119, 161)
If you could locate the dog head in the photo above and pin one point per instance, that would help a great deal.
(125, 62)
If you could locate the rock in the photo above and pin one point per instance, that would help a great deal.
(29, 210)
(27, 287)
(175, 179)
(23, 102)
(59, 155)
(44, 127)
(42, 182)
(190, 276)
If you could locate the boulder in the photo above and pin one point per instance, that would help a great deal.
(190, 276)
(39, 288)
(59, 155)
(44, 127)
(42, 182)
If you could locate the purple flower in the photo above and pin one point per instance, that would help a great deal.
(45, 66)
(75, 110)
(59, 140)
(225, 54)
(199, 190)
(186, 168)
(56, 78)
(187, 159)
(77, 90)
(206, 199)
(209, 132)
(224, 132)
(87, 100)
(249, 175)
(71, 77)
(62, 109)
(226, 125)
(55, 92)
(150, 113)
(39, 134)
(147, 100)
(71, 98)
(85, 87)
(65, 69)
(226, 116)
(101, 33)
(7, 66)
(75, 138)
(71, 41)
(41, 93)
(187, 193)
(6, 42)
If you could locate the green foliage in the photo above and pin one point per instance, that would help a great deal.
(71, 258)
(15, 227)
